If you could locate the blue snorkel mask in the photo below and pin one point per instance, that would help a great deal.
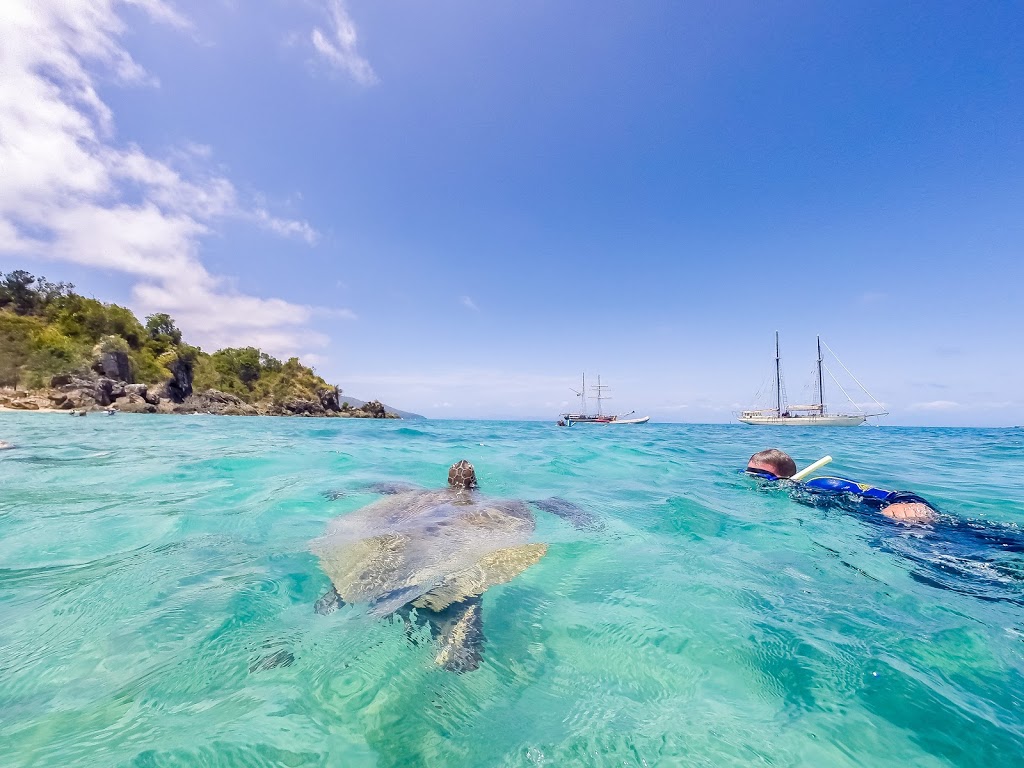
(761, 474)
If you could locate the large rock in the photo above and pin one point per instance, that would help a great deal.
(108, 390)
(133, 403)
(114, 365)
(179, 387)
(141, 391)
(299, 407)
(79, 398)
(67, 382)
(23, 405)
(216, 402)
(329, 399)
(375, 409)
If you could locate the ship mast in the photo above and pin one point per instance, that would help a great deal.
(821, 384)
(599, 389)
(778, 378)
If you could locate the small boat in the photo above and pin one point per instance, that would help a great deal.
(813, 415)
(568, 419)
(620, 420)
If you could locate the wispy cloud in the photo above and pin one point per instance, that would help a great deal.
(338, 45)
(935, 405)
(468, 303)
(70, 192)
(286, 227)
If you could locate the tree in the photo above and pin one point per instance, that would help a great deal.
(242, 365)
(16, 292)
(161, 327)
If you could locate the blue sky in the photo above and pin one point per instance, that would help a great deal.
(458, 207)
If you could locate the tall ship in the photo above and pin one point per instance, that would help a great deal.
(582, 417)
(815, 414)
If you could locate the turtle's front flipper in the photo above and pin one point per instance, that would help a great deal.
(579, 517)
(460, 635)
(329, 603)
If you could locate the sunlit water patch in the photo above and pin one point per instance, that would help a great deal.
(157, 591)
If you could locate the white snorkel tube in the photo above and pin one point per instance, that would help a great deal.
(807, 470)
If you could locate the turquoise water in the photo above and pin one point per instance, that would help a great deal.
(148, 563)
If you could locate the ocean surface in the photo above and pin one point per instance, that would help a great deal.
(156, 578)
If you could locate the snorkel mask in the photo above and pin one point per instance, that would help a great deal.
(761, 474)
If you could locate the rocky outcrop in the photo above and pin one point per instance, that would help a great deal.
(22, 405)
(135, 404)
(329, 399)
(303, 408)
(82, 393)
(374, 409)
(215, 402)
(179, 387)
(142, 392)
(114, 365)
(107, 391)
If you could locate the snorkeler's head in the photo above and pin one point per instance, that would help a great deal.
(772, 462)
(462, 475)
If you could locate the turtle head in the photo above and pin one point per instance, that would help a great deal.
(461, 475)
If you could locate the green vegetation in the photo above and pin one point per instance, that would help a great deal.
(47, 329)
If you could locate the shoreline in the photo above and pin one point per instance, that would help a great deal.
(102, 394)
(339, 415)
(8, 409)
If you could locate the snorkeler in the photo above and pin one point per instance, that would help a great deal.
(973, 557)
(902, 506)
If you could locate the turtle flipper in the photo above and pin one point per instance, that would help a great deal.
(577, 516)
(329, 603)
(460, 635)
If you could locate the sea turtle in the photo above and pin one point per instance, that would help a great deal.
(435, 551)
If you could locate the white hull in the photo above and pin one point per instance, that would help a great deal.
(814, 420)
(605, 421)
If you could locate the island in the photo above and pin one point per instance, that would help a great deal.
(63, 351)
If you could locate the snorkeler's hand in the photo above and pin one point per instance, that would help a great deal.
(910, 512)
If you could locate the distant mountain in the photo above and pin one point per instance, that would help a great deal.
(357, 403)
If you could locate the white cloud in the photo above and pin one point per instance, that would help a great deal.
(68, 191)
(162, 12)
(286, 227)
(338, 45)
(468, 303)
(935, 405)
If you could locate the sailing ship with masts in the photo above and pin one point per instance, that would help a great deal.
(582, 417)
(814, 414)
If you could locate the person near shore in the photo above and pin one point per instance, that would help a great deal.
(902, 506)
